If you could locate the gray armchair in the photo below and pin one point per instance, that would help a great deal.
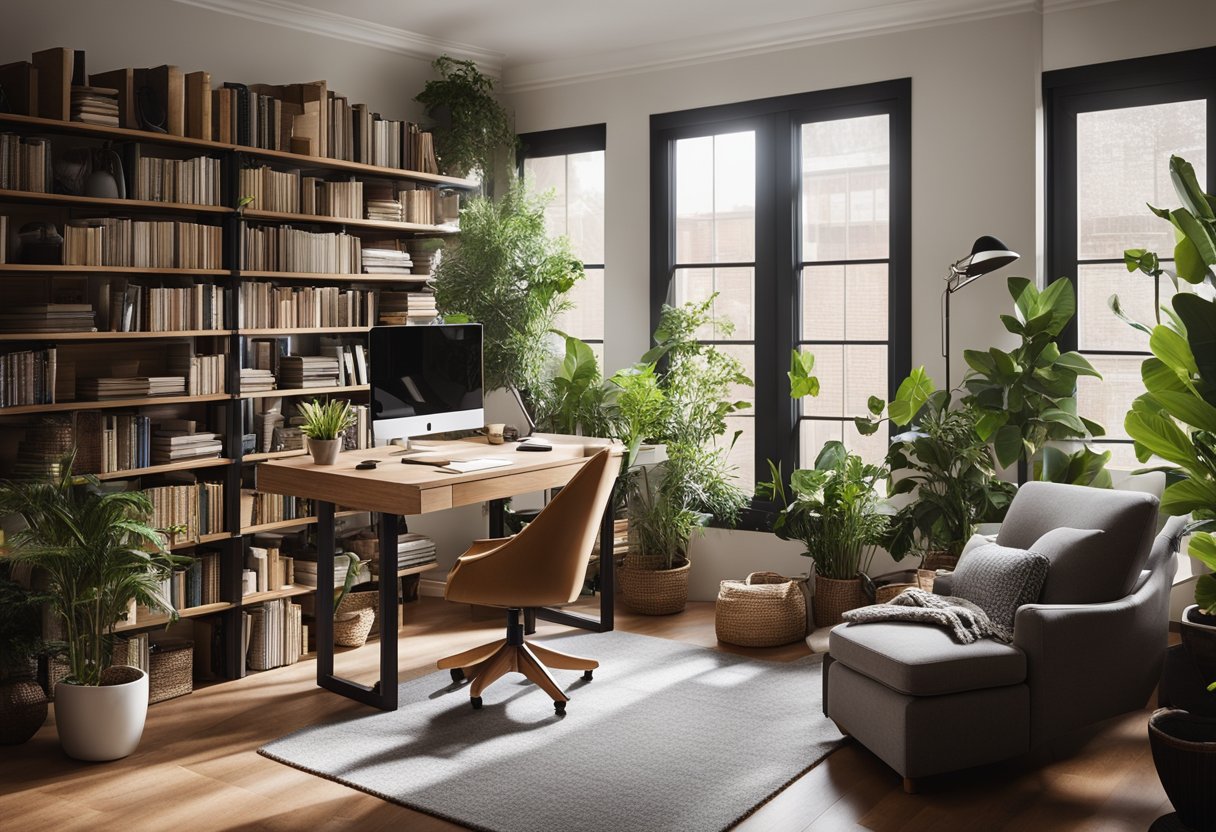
(926, 705)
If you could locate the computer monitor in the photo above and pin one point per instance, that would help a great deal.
(425, 379)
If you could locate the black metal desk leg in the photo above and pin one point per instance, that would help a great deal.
(389, 598)
(325, 591)
(498, 518)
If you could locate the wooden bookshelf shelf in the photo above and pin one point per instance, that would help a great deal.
(160, 620)
(275, 594)
(359, 168)
(110, 404)
(184, 465)
(325, 276)
(377, 225)
(417, 570)
(52, 125)
(287, 524)
(55, 270)
(98, 202)
(320, 330)
(113, 336)
(297, 392)
(265, 455)
(204, 538)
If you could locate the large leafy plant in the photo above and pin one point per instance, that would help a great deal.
(574, 400)
(1025, 398)
(98, 553)
(506, 273)
(473, 127)
(834, 509)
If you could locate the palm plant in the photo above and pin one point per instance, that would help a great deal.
(98, 553)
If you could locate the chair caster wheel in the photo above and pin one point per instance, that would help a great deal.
(475, 701)
(559, 708)
(457, 674)
(586, 675)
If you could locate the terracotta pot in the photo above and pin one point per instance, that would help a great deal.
(324, 451)
(22, 710)
(833, 598)
(102, 722)
(654, 591)
(1184, 751)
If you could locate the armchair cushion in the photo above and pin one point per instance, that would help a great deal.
(1085, 568)
(999, 579)
(925, 661)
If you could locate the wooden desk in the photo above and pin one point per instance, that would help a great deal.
(393, 489)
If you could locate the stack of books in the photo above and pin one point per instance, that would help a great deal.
(412, 307)
(48, 317)
(304, 371)
(414, 550)
(167, 386)
(306, 570)
(95, 105)
(425, 254)
(153, 244)
(174, 440)
(382, 203)
(196, 585)
(96, 389)
(386, 261)
(271, 569)
(256, 381)
(422, 307)
(394, 307)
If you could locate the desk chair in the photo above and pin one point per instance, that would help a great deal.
(544, 565)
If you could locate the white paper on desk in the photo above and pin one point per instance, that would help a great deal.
(464, 466)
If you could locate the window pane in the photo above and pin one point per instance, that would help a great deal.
(586, 319)
(716, 198)
(745, 354)
(846, 189)
(845, 302)
(1107, 401)
(813, 433)
(735, 302)
(743, 455)
(1123, 162)
(585, 207)
(548, 173)
(1097, 326)
(829, 369)
(848, 376)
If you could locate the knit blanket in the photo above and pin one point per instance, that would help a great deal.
(964, 620)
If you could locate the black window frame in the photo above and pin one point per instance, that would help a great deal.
(565, 141)
(778, 259)
(1136, 82)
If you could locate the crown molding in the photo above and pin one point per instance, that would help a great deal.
(366, 33)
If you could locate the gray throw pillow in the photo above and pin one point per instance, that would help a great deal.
(998, 580)
(1085, 567)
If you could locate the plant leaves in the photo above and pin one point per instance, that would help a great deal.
(1205, 594)
(1186, 185)
(1076, 363)
(1174, 351)
(1188, 495)
(1159, 435)
(1008, 444)
(1199, 316)
(1203, 549)
(911, 396)
(1117, 307)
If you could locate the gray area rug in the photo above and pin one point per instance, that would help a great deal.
(667, 737)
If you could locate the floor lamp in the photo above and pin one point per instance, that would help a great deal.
(987, 255)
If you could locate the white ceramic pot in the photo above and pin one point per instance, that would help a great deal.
(325, 451)
(104, 722)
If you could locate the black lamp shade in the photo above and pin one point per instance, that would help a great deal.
(987, 255)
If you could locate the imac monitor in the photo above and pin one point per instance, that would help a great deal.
(425, 379)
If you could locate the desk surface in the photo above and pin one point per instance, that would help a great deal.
(395, 488)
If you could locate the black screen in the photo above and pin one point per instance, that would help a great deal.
(425, 370)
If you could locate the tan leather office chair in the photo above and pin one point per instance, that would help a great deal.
(543, 565)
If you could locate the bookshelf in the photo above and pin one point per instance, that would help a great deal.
(225, 413)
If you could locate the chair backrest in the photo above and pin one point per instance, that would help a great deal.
(555, 548)
(1129, 519)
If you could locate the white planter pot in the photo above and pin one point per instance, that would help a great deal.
(324, 451)
(98, 723)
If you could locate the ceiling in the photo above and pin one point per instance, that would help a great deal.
(542, 42)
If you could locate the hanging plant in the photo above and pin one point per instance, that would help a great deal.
(471, 126)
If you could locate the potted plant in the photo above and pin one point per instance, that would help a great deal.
(1184, 753)
(354, 612)
(98, 554)
(472, 127)
(574, 400)
(505, 272)
(22, 700)
(836, 512)
(324, 424)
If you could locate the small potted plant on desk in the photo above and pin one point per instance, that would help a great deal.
(98, 554)
(324, 424)
(835, 510)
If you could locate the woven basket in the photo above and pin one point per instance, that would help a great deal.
(935, 560)
(833, 598)
(170, 670)
(353, 630)
(884, 594)
(765, 610)
(653, 591)
(22, 710)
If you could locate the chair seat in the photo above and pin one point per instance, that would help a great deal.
(920, 660)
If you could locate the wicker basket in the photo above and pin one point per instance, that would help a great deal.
(354, 617)
(22, 710)
(765, 610)
(940, 559)
(653, 591)
(884, 594)
(170, 669)
(833, 598)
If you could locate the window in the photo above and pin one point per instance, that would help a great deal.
(1111, 131)
(570, 163)
(796, 212)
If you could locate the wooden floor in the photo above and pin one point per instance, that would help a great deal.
(197, 769)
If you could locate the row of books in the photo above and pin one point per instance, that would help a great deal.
(205, 375)
(275, 634)
(270, 570)
(27, 377)
(298, 372)
(198, 506)
(254, 380)
(264, 306)
(129, 307)
(387, 261)
(108, 442)
(193, 181)
(25, 163)
(286, 249)
(258, 507)
(195, 586)
(155, 244)
(407, 307)
(48, 317)
(290, 192)
(177, 440)
(351, 360)
(306, 571)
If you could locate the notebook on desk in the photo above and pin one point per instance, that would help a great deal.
(456, 466)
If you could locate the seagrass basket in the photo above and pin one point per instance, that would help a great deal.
(354, 617)
(650, 590)
(170, 670)
(834, 597)
(884, 594)
(765, 610)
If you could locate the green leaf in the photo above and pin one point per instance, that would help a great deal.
(911, 396)
(1199, 316)
(1205, 594)
(1188, 408)
(831, 456)
(1142, 260)
(1188, 261)
(1188, 495)
(1117, 307)
(875, 405)
(1060, 300)
(1197, 233)
(802, 383)
(866, 427)
(1173, 350)
(1186, 185)
(979, 361)
(1159, 435)
(1025, 296)
(989, 422)
(1013, 324)
(456, 318)
(1008, 444)
(1061, 417)
(1203, 549)
(1076, 363)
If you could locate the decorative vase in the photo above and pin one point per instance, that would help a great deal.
(835, 597)
(325, 451)
(653, 591)
(22, 710)
(102, 722)
(1184, 752)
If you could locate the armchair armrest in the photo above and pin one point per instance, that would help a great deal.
(482, 547)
